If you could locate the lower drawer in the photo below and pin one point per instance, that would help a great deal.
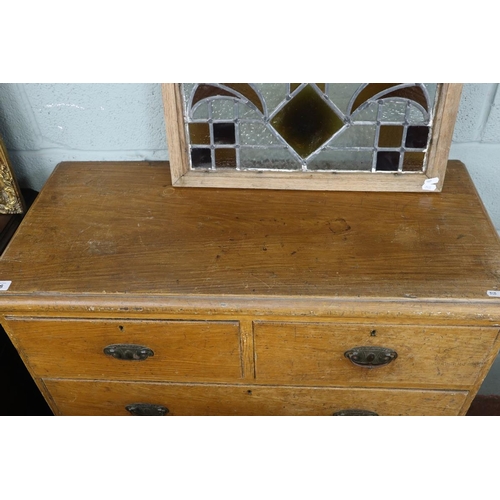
(74, 397)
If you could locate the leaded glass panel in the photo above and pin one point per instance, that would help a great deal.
(331, 127)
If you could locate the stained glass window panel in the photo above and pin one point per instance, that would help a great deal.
(309, 126)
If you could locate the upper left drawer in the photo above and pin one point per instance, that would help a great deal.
(190, 351)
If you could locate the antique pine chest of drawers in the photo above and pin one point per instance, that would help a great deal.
(128, 296)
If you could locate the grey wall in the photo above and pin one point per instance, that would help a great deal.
(44, 124)
(477, 142)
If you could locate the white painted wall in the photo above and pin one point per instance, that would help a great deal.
(44, 124)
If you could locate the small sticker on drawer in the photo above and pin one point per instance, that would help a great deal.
(493, 293)
(4, 285)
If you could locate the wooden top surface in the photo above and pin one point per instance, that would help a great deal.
(120, 228)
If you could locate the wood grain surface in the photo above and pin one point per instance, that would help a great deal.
(428, 357)
(110, 398)
(121, 230)
(249, 299)
(183, 350)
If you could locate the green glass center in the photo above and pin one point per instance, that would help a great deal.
(306, 122)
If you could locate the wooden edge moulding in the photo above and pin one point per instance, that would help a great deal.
(429, 179)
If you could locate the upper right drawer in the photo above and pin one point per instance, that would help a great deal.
(345, 354)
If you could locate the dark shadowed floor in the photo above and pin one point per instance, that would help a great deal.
(484, 406)
(19, 394)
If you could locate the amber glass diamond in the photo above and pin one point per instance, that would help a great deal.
(306, 122)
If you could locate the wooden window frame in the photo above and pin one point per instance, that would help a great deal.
(431, 180)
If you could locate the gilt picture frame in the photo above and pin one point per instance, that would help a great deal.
(11, 201)
(381, 137)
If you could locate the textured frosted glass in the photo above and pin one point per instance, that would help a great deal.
(223, 109)
(341, 93)
(392, 111)
(368, 114)
(201, 111)
(415, 115)
(431, 89)
(187, 88)
(248, 113)
(273, 93)
(254, 133)
(273, 158)
(356, 136)
(342, 160)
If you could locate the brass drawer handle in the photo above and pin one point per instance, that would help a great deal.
(371, 357)
(355, 413)
(129, 352)
(147, 410)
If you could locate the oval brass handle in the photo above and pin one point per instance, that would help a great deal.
(129, 352)
(147, 410)
(371, 356)
(355, 413)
